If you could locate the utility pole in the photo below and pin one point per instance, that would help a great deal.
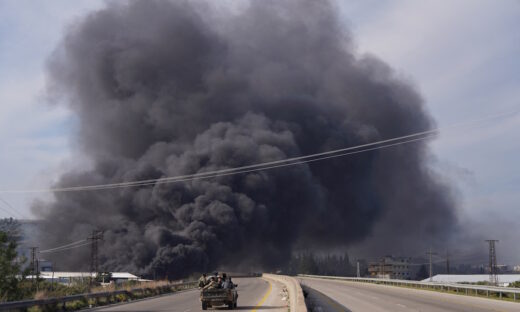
(94, 260)
(382, 267)
(52, 280)
(357, 271)
(493, 278)
(447, 262)
(37, 273)
(430, 254)
(33, 265)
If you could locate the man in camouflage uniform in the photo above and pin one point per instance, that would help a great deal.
(212, 284)
(202, 280)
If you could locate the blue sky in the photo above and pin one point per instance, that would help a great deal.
(462, 55)
(33, 133)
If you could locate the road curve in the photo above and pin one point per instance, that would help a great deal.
(355, 296)
(253, 294)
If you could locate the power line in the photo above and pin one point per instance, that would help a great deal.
(213, 174)
(9, 214)
(12, 209)
(68, 248)
(230, 171)
(272, 164)
(64, 246)
(268, 167)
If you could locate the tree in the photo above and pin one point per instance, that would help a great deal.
(10, 268)
(12, 228)
(515, 284)
(308, 264)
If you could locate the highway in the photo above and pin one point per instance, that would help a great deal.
(355, 296)
(253, 294)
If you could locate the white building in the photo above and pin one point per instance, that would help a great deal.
(503, 279)
(71, 277)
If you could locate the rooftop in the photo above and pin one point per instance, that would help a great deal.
(116, 275)
(472, 278)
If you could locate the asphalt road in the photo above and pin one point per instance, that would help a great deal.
(354, 296)
(318, 302)
(253, 294)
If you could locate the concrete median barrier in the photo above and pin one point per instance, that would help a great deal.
(296, 299)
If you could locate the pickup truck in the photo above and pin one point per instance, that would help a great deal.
(218, 297)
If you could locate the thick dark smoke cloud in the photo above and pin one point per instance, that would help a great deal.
(169, 88)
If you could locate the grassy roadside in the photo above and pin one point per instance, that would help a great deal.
(133, 292)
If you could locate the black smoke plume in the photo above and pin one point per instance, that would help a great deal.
(165, 88)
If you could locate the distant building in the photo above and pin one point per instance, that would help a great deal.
(68, 278)
(45, 266)
(503, 279)
(516, 268)
(390, 267)
(503, 268)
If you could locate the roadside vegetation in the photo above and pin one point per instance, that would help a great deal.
(331, 265)
(133, 291)
(17, 283)
(12, 272)
(515, 284)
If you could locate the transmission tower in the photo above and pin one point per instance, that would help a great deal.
(97, 235)
(33, 264)
(493, 270)
(430, 254)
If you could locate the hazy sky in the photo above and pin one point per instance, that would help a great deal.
(463, 56)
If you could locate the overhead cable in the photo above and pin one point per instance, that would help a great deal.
(232, 171)
(12, 209)
(64, 246)
(68, 248)
(272, 164)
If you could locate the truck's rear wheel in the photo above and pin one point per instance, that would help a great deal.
(204, 306)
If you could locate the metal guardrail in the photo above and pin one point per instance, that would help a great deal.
(24, 304)
(466, 289)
